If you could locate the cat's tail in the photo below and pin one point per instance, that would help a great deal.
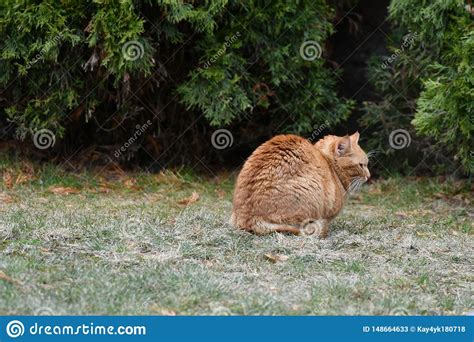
(262, 227)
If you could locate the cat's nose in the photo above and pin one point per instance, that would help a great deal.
(368, 175)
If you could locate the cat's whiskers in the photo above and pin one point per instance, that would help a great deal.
(355, 185)
(372, 154)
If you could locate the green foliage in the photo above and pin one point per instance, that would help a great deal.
(280, 82)
(432, 77)
(65, 65)
(33, 33)
(445, 108)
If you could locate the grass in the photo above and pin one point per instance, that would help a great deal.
(141, 244)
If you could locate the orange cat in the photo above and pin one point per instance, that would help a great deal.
(290, 185)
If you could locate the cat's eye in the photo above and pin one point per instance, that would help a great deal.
(361, 165)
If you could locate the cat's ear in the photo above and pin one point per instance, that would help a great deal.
(343, 146)
(355, 138)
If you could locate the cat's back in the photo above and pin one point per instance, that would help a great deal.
(290, 150)
(276, 161)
